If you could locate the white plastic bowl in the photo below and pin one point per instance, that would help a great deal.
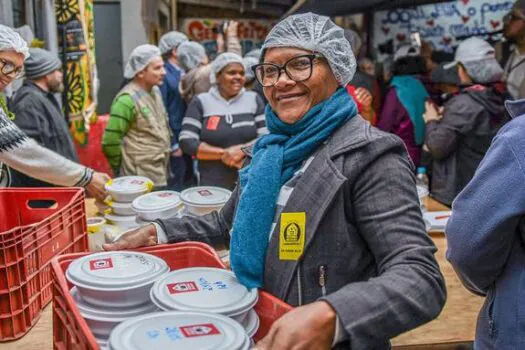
(125, 189)
(204, 200)
(116, 279)
(121, 209)
(157, 205)
(122, 222)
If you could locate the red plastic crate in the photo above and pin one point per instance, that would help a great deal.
(29, 239)
(71, 330)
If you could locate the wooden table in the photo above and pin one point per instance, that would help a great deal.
(453, 329)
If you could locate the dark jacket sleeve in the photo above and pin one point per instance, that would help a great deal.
(213, 228)
(190, 136)
(409, 289)
(486, 215)
(30, 119)
(442, 137)
(390, 115)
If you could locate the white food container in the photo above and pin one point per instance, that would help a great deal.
(96, 233)
(102, 320)
(122, 222)
(204, 289)
(179, 331)
(157, 205)
(116, 279)
(121, 209)
(251, 324)
(203, 200)
(125, 189)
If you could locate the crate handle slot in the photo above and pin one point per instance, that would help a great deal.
(47, 204)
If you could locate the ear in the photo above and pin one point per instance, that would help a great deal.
(463, 75)
(174, 53)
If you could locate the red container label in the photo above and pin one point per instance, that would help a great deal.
(199, 330)
(204, 193)
(100, 264)
(182, 287)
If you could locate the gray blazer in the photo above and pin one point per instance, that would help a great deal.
(364, 234)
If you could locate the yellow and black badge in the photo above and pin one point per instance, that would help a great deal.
(291, 236)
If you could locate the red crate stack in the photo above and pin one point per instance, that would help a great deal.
(29, 238)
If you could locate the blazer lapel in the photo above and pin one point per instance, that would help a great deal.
(312, 195)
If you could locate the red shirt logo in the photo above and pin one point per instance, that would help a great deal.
(101, 264)
(199, 330)
(182, 287)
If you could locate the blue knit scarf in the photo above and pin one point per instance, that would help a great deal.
(276, 157)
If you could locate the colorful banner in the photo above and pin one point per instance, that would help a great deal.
(440, 24)
(76, 36)
(251, 33)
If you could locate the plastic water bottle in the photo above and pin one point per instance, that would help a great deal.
(422, 184)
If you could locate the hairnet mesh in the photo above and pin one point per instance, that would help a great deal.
(479, 59)
(248, 63)
(256, 53)
(190, 55)
(171, 40)
(484, 71)
(318, 34)
(222, 61)
(354, 40)
(139, 59)
(11, 40)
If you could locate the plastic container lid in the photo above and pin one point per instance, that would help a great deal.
(129, 185)
(109, 314)
(110, 271)
(120, 219)
(252, 323)
(205, 196)
(157, 201)
(95, 224)
(119, 205)
(203, 289)
(179, 330)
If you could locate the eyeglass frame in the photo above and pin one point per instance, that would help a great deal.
(19, 71)
(282, 68)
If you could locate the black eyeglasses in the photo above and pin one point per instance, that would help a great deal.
(298, 69)
(8, 68)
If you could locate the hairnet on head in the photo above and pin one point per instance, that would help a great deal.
(11, 40)
(354, 39)
(317, 34)
(248, 63)
(479, 59)
(222, 61)
(171, 40)
(190, 55)
(256, 53)
(139, 59)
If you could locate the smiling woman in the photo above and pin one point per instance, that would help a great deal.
(220, 123)
(326, 215)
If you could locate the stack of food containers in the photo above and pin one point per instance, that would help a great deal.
(156, 205)
(202, 200)
(112, 287)
(208, 290)
(123, 191)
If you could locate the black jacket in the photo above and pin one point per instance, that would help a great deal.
(460, 140)
(39, 115)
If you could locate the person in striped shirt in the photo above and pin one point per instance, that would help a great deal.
(220, 123)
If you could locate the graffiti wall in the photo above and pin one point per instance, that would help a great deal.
(77, 37)
(251, 33)
(440, 24)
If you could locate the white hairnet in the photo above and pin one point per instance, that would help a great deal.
(171, 40)
(190, 55)
(222, 61)
(256, 53)
(139, 59)
(318, 34)
(479, 59)
(11, 40)
(248, 63)
(354, 39)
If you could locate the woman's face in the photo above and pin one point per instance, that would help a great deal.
(291, 100)
(231, 80)
(13, 58)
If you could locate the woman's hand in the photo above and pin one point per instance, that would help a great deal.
(309, 327)
(144, 236)
(432, 113)
(96, 186)
(234, 156)
(365, 98)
